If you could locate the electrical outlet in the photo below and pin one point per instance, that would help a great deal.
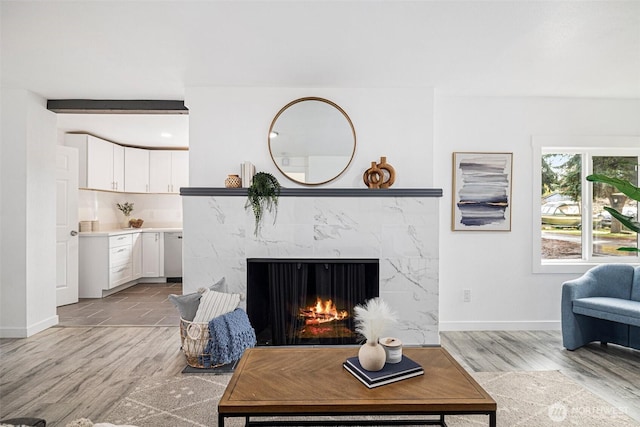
(466, 295)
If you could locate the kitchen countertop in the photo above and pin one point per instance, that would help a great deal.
(117, 232)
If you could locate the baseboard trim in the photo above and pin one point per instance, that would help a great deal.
(107, 292)
(25, 332)
(501, 325)
(152, 280)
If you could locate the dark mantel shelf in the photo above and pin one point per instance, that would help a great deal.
(318, 192)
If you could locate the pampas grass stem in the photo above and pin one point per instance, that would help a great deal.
(373, 319)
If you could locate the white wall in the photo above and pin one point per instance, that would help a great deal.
(497, 266)
(157, 210)
(28, 273)
(230, 125)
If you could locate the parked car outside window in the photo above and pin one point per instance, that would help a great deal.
(561, 214)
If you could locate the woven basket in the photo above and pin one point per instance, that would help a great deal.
(136, 223)
(194, 338)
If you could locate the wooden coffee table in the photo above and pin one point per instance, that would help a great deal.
(309, 383)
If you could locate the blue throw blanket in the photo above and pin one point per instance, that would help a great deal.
(229, 336)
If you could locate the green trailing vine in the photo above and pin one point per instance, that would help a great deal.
(262, 195)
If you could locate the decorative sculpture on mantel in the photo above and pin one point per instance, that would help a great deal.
(380, 175)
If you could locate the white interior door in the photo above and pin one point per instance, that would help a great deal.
(66, 225)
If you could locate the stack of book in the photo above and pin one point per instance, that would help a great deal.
(247, 171)
(390, 373)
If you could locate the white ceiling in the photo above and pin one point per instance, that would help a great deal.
(156, 49)
(143, 130)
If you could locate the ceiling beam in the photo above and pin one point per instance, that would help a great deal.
(114, 106)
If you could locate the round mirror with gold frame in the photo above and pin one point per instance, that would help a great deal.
(312, 141)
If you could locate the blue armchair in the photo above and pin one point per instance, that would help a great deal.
(602, 305)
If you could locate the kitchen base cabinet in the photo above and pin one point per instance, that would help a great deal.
(111, 262)
(136, 256)
(105, 262)
(152, 254)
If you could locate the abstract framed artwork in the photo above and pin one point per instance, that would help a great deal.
(481, 191)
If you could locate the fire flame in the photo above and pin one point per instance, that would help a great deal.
(323, 312)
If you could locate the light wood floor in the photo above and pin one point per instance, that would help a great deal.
(65, 373)
(611, 372)
(145, 304)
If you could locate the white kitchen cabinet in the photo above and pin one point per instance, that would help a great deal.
(118, 167)
(179, 170)
(109, 260)
(136, 170)
(105, 262)
(101, 163)
(152, 254)
(168, 170)
(120, 260)
(159, 171)
(136, 257)
(112, 167)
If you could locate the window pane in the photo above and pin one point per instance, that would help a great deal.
(561, 226)
(608, 233)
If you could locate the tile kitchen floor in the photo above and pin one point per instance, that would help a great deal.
(145, 304)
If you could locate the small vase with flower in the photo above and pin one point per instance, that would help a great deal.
(372, 321)
(126, 208)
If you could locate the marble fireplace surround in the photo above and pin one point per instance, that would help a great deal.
(399, 227)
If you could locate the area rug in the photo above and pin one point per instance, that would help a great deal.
(525, 399)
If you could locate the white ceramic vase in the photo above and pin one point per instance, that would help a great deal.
(371, 356)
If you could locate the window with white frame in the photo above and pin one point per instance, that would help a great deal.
(572, 228)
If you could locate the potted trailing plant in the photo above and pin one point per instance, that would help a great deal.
(629, 190)
(262, 195)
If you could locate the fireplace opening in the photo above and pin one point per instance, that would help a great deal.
(308, 301)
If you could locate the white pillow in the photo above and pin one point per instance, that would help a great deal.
(214, 304)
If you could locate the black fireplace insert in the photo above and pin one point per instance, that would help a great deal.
(308, 301)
